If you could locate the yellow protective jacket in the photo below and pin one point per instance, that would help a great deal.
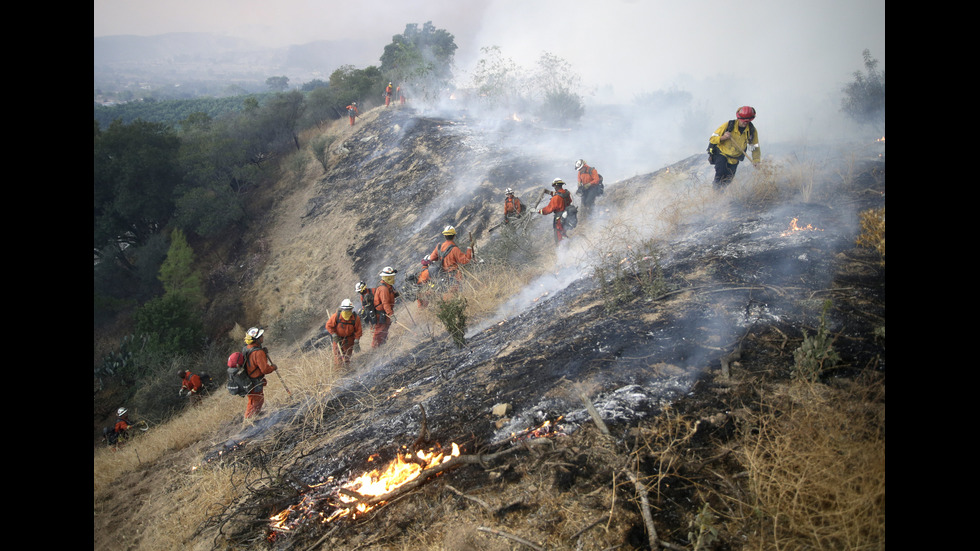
(739, 140)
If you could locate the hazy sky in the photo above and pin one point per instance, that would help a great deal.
(766, 53)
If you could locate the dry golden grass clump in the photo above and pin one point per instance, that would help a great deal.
(873, 231)
(815, 459)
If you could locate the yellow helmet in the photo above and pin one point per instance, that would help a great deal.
(449, 230)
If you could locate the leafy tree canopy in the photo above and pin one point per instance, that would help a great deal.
(279, 84)
(864, 98)
(421, 58)
(136, 171)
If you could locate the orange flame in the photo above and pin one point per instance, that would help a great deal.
(794, 227)
(546, 429)
(378, 482)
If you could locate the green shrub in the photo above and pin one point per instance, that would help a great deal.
(817, 353)
(452, 314)
(172, 323)
(638, 273)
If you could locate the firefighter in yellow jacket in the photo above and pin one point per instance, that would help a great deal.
(731, 143)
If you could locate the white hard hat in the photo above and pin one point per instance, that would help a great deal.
(388, 271)
(255, 332)
(579, 163)
(449, 230)
(359, 286)
(346, 304)
(557, 182)
(121, 411)
(508, 191)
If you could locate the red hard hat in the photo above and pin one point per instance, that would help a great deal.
(745, 113)
(236, 360)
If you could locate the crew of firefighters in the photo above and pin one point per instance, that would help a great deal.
(731, 143)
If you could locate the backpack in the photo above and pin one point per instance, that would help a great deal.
(109, 435)
(569, 217)
(602, 188)
(436, 271)
(207, 382)
(239, 383)
(713, 148)
(368, 312)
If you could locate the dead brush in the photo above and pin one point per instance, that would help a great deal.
(631, 270)
(872, 234)
(663, 441)
(761, 187)
(815, 461)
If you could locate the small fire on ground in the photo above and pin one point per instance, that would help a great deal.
(348, 501)
(327, 502)
(795, 227)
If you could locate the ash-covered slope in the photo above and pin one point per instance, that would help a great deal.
(668, 308)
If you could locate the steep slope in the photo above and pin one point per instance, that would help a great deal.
(643, 311)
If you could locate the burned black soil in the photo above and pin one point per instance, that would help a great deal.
(672, 347)
(740, 292)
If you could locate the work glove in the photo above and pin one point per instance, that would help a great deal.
(335, 338)
(357, 346)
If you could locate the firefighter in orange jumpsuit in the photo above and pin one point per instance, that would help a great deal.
(425, 284)
(513, 208)
(384, 303)
(451, 258)
(588, 185)
(122, 422)
(190, 385)
(257, 366)
(388, 91)
(345, 330)
(560, 199)
(401, 95)
(352, 112)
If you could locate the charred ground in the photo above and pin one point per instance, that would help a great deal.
(737, 292)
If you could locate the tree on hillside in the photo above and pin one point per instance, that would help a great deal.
(136, 171)
(864, 98)
(499, 81)
(420, 58)
(279, 84)
(177, 272)
(172, 322)
(556, 80)
(313, 85)
(351, 84)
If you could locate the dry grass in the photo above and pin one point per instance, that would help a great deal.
(873, 231)
(815, 457)
(765, 183)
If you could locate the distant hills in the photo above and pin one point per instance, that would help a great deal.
(198, 62)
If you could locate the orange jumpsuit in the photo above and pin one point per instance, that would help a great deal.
(588, 185)
(513, 208)
(192, 384)
(349, 331)
(559, 201)
(424, 284)
(384, 303)
(257, 365)
(453, 259)
(352, 112)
